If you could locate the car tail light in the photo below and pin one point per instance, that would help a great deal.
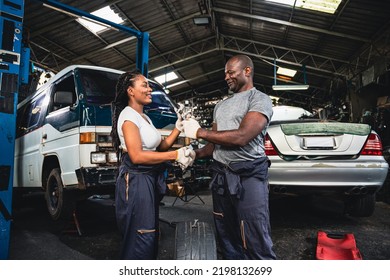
(269, 148)
(373, 146)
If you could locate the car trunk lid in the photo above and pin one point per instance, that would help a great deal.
(319, 138)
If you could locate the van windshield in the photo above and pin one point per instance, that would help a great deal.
(99, 88)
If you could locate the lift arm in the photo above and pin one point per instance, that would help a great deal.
(143, 37)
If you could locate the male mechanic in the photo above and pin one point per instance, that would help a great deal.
(240, 168)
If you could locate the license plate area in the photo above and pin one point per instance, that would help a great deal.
(318, 143)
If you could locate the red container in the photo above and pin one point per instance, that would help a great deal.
(337, 247)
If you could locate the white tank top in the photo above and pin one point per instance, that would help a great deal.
(150, 136)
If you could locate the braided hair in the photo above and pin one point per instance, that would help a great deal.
(120, 102)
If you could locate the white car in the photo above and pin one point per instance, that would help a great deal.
(313, 156)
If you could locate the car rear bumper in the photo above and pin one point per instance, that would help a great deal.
(365, 171)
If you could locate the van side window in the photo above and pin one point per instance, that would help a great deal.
(29, 115)
(98, 86)
(36, 112)
(22, 119)
(64, 94)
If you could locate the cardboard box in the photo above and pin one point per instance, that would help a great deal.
(176, 188)
(382, 100)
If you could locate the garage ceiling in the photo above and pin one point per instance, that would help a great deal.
(331, 49)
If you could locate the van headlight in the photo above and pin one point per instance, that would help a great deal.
(111, 157)
(98, 158)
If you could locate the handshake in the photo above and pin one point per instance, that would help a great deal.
(185, 157)
(185, 123)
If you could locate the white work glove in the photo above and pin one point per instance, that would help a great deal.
(185, 157)
(191, 154)
(179, 112)
(190, 127)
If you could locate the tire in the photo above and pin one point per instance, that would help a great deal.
(361, 206)
(384, 192)
(59, 203)
(195, 241)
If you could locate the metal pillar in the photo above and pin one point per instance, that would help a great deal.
(11, 19)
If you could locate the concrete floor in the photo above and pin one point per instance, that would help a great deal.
(295, 223)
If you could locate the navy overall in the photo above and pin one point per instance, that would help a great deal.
(139, 189)
(241, 214)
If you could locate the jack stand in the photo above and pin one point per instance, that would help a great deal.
(184, 197)
(75, 222)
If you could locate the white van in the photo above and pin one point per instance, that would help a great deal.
(63, 143)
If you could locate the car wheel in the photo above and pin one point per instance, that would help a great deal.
(58, 201)
(384, 192)
(195, 241)
(361, 206)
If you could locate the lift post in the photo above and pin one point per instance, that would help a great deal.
(11, 19)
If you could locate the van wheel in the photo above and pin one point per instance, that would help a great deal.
(195, 241)
(58, 201)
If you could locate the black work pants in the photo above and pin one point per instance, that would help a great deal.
(137, 198)
(241, 210)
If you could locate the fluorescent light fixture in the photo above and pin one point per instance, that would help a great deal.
(176, 84)
(167, 77)
(202, 20)
(286, 72)
(325, 6)
(290, 87)
(105, 13)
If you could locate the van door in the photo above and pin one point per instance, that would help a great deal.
(60, 134)
(28, 157)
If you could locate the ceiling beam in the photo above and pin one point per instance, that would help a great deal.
(278, 53)
(195, 78)
(287, 23)
(234, 44)
(125, 40)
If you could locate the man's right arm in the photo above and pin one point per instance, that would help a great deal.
(252, 125)
(207, 150)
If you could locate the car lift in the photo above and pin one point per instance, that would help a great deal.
(13, 71)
